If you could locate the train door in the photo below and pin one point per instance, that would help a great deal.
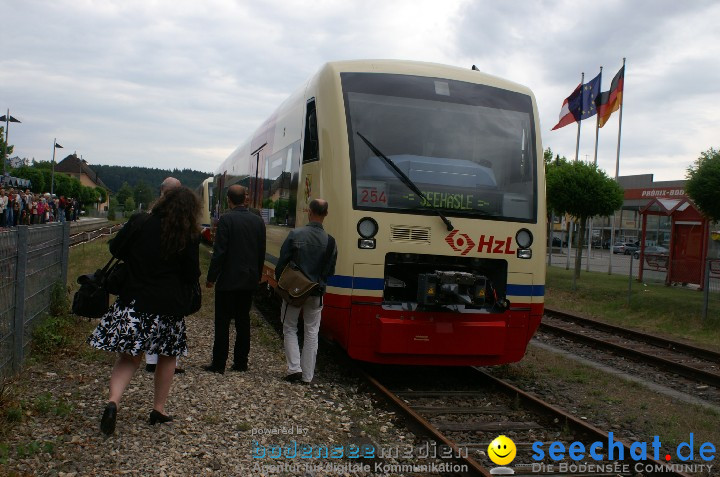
(310, 173)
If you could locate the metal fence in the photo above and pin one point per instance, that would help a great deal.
(653, 269)
(32, 260)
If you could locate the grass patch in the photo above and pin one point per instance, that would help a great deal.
(25, 450)
(656, 308)
(47, 404)
(11, 409)
(574, 375)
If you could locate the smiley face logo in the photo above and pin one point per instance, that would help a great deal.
(502, 450)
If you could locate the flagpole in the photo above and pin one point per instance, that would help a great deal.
(5, 145)
(617, 173)
(577, 142)
(617, 160)
(590, 220)
(52, 181)
(577, 152)
(597, 124)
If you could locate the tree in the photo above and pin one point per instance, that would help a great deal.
(36, 178)
(102, 194)
(43, 165)
(112, 208)
(583, 191)
(703, 183)
(143, 194)
(88, 195)
(66, 185)
(129, 206)
(547, 156)
(549, 164)
(123, 193)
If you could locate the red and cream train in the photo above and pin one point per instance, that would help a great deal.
(434, 178)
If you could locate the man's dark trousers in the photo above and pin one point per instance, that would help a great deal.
(229, 305)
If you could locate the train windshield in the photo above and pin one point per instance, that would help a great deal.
(469, 148)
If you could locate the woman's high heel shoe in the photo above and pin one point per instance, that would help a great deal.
(158, 417)
(107, 423)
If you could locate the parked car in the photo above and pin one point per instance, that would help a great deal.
(626, 248)
(631, 247)
(652, 250)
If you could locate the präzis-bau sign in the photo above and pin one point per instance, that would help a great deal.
(655, 193)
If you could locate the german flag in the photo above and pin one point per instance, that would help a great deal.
(609, 101)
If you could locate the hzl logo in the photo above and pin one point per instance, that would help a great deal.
(457, 244)
(489, 244)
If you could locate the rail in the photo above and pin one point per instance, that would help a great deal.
(686, 360)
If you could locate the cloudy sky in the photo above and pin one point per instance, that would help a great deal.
(181, 83)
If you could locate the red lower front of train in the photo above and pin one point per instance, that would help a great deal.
(373, 334)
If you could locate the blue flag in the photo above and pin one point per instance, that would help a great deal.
(580, 104)
(590, 91)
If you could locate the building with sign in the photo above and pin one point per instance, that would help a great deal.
(78, 168)
(639, 190)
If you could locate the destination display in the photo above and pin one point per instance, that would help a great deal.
(399, 196)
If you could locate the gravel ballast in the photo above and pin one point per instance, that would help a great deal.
(221, 421)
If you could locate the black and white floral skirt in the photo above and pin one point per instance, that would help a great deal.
(124, 330)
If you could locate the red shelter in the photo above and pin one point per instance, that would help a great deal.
(688, 240)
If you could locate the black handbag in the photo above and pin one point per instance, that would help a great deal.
(92, 298)
(116, 277)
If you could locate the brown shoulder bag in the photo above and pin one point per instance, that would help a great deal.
(293, 286)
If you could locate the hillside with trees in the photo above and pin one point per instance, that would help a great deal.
(115, 176)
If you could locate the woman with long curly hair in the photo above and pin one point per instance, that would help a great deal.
(161, 255)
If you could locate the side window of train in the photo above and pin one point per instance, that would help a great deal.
(310, 146)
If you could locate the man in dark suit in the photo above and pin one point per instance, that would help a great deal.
(236, 266)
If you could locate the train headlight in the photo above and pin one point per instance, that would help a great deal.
(524, 238)
(525, 253)
(366, 243)
(367, 227)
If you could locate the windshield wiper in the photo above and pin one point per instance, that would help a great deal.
(406, 180)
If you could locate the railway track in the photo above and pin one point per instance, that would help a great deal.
(466, 408)
(691, 362)
(90, 235)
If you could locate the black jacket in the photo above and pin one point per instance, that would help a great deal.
(238, 252)
(161, 286)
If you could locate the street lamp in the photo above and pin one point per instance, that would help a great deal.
(52, 176)
(8, 119)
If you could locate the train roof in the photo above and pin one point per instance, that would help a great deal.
(402, 67)
(421, 68)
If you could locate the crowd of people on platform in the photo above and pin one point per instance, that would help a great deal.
(19, 207)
